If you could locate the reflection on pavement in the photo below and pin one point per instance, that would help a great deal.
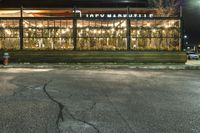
(193, 62)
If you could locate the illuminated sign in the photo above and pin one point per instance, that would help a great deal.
(109, 15)
(117, 15)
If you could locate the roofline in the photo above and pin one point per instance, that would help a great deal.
(71, 3)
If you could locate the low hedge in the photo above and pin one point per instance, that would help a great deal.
(29, 56)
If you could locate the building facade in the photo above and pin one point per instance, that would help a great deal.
(87, 25)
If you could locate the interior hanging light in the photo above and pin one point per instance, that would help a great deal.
(67, 29)
(3, 25)
(64, 31)
(8, 32)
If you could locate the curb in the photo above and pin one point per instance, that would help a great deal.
(103, 66)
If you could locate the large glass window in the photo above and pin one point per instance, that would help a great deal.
(97, 29)
(101, 34)
(9, 34)
(158, 34)
(48, 34)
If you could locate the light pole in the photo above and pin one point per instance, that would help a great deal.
(194, 9)
(182, 26)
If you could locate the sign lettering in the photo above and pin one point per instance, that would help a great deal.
(117, 15)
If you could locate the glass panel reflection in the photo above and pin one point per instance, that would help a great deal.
(101, 35)
(9, 34)
(155, 34)
(48, 34)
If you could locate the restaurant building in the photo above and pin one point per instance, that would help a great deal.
(87, 25)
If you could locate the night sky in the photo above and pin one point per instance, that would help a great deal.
(191, 11)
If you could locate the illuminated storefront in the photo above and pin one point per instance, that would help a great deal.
(89, 28)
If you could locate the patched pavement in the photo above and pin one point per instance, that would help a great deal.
(99, 101)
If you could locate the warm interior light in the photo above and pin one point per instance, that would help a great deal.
(63, 31)
(172, 22)
(116, 24)
(8, 32)
(26, 25)
(167, 26)
(124, 24)
(40, 25)
(3, 25)
(67, 29)
(133, 39)
(79, 25)
(32, 11)
(8, 12)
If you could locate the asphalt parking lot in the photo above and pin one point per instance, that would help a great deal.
(99, 101)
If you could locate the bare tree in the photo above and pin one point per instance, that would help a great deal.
(167, 8)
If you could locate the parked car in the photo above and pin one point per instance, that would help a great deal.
(192, 55)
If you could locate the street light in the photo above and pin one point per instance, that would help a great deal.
(185, 36)
(195, 2)
(194, 6)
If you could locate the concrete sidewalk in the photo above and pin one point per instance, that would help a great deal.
(187, 66)
(193, 62)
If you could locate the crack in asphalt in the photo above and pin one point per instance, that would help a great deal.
(61, 106)
(92, 107)
(83, 121)
(119, 113)
(72, 130)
